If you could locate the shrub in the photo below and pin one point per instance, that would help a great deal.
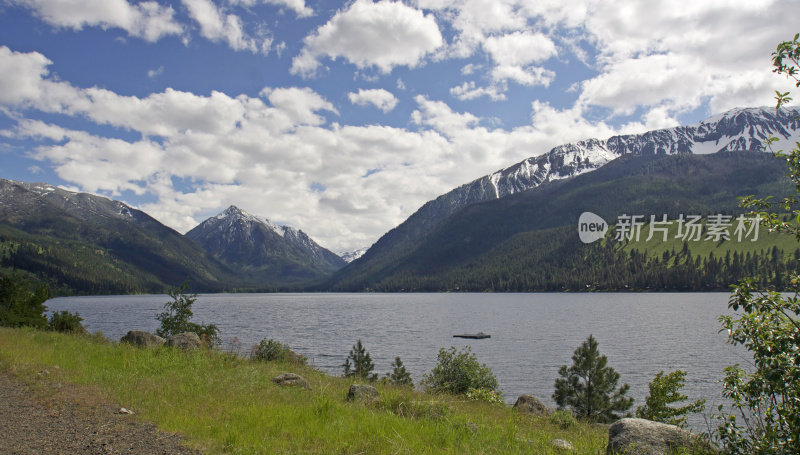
(66, 322)
(665, 390)
(272, 350)
(458, 373)
(589, 386)
(176, 318)
(563, 419)
(361, 366)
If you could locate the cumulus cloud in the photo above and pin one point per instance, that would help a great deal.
(380, 98)
(147, 20)
(514, 53)
(381, 35)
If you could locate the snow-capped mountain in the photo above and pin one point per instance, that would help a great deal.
(238, 238)
(19, 199)
(350, 256)
(737, 129)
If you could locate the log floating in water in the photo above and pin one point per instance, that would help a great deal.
(475, 336)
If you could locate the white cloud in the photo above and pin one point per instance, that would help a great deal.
(469, 91)
(381, 35)
(147, 20)
(154, 73)
(380, 98)
(216, 25)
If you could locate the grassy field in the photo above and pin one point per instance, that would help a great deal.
(224, 404)
(765, 241)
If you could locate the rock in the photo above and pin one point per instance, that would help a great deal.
(529, 404)
(363, 393)
(645, 437)
(291, 379)
(186, 341)
(125, 411)
(142, 339)
(562, 445)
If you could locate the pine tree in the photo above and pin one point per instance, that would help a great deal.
(361, 366)
(399, 376)
(589, 386)
(665, 390)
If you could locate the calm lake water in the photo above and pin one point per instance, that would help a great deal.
(532, 334)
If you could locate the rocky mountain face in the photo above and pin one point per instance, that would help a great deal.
(350, 256)
(18, 200)
(245, 241)
(735, 130)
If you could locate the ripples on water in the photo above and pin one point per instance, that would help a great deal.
(532, 334)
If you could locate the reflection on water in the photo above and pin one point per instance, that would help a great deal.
(532, 334)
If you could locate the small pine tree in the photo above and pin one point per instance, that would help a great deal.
(361, 366)
(399, 376)
(176, 317)
(589, 386)
(665, 390)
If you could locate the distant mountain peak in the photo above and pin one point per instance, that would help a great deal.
(239, 238)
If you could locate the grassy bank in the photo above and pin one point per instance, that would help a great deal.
(223, 404)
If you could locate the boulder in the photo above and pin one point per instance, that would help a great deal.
(186, 341)
(529, 404)
(363, 393)
(291, 379)
(645, 437)
(562, 445)
(142, 339)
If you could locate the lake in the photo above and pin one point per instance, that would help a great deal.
(532, 335)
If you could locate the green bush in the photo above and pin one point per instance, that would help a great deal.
(275, 351)
(66, 322)
(563, 418)
(458, 373)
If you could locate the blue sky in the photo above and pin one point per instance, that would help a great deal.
(342, 118)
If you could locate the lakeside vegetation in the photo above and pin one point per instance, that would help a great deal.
(226, 404)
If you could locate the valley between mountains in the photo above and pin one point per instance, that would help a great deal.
(512, 230)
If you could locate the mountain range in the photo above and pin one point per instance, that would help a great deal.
(735, 130)
(83, 243)
(496, 229)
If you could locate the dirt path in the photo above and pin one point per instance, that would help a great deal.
(60, 419)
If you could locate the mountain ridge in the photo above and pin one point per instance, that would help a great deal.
(736, 129)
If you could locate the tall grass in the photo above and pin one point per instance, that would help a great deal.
(226, 404)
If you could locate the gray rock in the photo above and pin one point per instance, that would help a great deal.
(529, 404)
(186, 341)
(142, 339)
(645, 437)
(562, 445)
(363, 393)
(291, 379)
